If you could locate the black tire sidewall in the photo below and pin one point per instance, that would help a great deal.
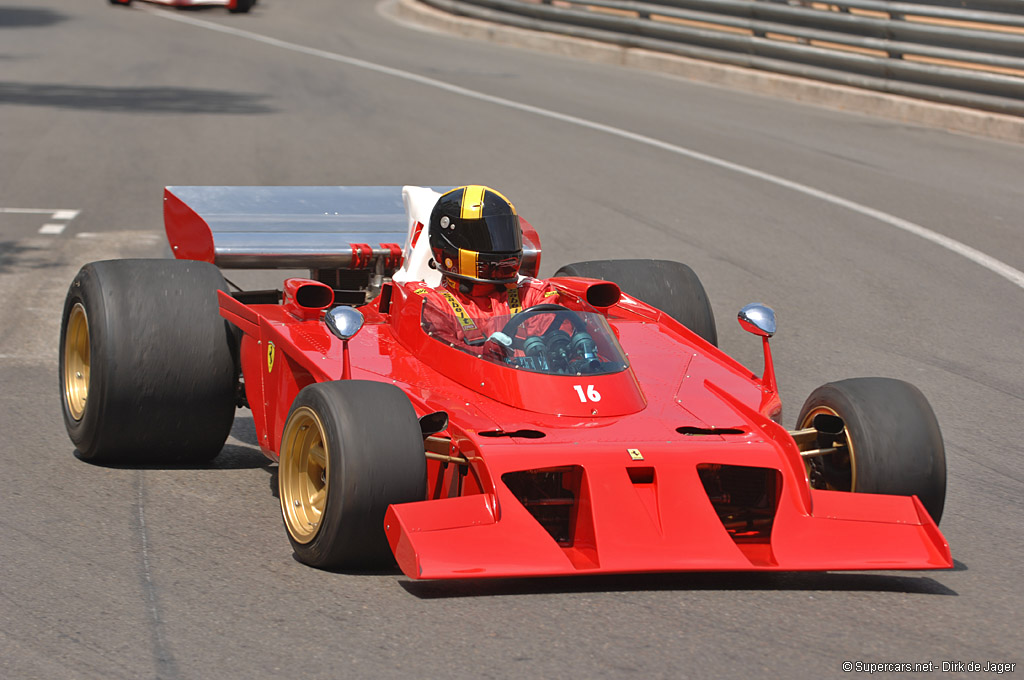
(162, 363)
(85, 434)
(376, 460)
(896, 438)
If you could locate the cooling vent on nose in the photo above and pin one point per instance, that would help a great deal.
(554, 497)
(550, 496)
(693, 431)
(522, 434)
(745, 499)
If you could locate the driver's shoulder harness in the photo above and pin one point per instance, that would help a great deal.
(473, 335)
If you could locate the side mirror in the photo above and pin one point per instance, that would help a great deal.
(758, 319)
(344, 322)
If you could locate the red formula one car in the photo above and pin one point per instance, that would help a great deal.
(234, 6)
(604, 434)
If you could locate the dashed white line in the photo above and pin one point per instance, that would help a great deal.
(35, 211)
(64, 216)
(998, 267)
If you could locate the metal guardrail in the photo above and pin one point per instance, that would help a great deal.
(963, 52)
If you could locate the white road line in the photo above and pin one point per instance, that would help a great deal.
(51, 228)
(41, 211)
(998, 267)
(57, 228)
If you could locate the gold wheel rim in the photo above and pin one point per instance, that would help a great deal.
(808, 421)
(303, 474)
(76, 361)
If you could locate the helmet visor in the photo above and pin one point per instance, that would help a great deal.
(487, 234)
(502, 233)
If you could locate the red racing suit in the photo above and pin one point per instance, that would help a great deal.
(462, 319)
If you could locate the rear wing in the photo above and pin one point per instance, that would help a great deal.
(352, 238)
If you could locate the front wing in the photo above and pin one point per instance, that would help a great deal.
(660, 518)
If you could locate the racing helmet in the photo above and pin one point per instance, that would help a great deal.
(475, 236)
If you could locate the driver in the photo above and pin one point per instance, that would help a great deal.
(477, 245)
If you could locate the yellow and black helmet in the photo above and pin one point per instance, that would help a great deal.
(475, 236)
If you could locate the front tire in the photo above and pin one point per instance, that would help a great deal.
(146, 363)
(349, 450)
(670, 286)
(893, 444)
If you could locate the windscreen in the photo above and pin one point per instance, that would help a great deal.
(548, 339)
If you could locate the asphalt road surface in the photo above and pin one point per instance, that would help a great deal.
(868, 237)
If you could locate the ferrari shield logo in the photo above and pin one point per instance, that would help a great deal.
(635, 454)
(270, 356)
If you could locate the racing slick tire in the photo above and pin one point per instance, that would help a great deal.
(147, 365)
(350, 449)
(670, 286)
(894, 445)
(241, 6)
(125, 3)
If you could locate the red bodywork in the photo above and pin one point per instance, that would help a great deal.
(678, 465)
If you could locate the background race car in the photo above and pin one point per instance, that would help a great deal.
(234, 6)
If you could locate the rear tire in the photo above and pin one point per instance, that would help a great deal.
(147, 368)
(894, 443)
(669, 286)
(242, 6)
(350, 449)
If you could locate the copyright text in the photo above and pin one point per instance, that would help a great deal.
(871, 667)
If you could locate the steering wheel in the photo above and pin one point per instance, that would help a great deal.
(560, 313)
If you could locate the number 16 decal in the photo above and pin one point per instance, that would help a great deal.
(590, 395)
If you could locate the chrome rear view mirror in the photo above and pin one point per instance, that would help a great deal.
(343, 321)
(758, 319)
